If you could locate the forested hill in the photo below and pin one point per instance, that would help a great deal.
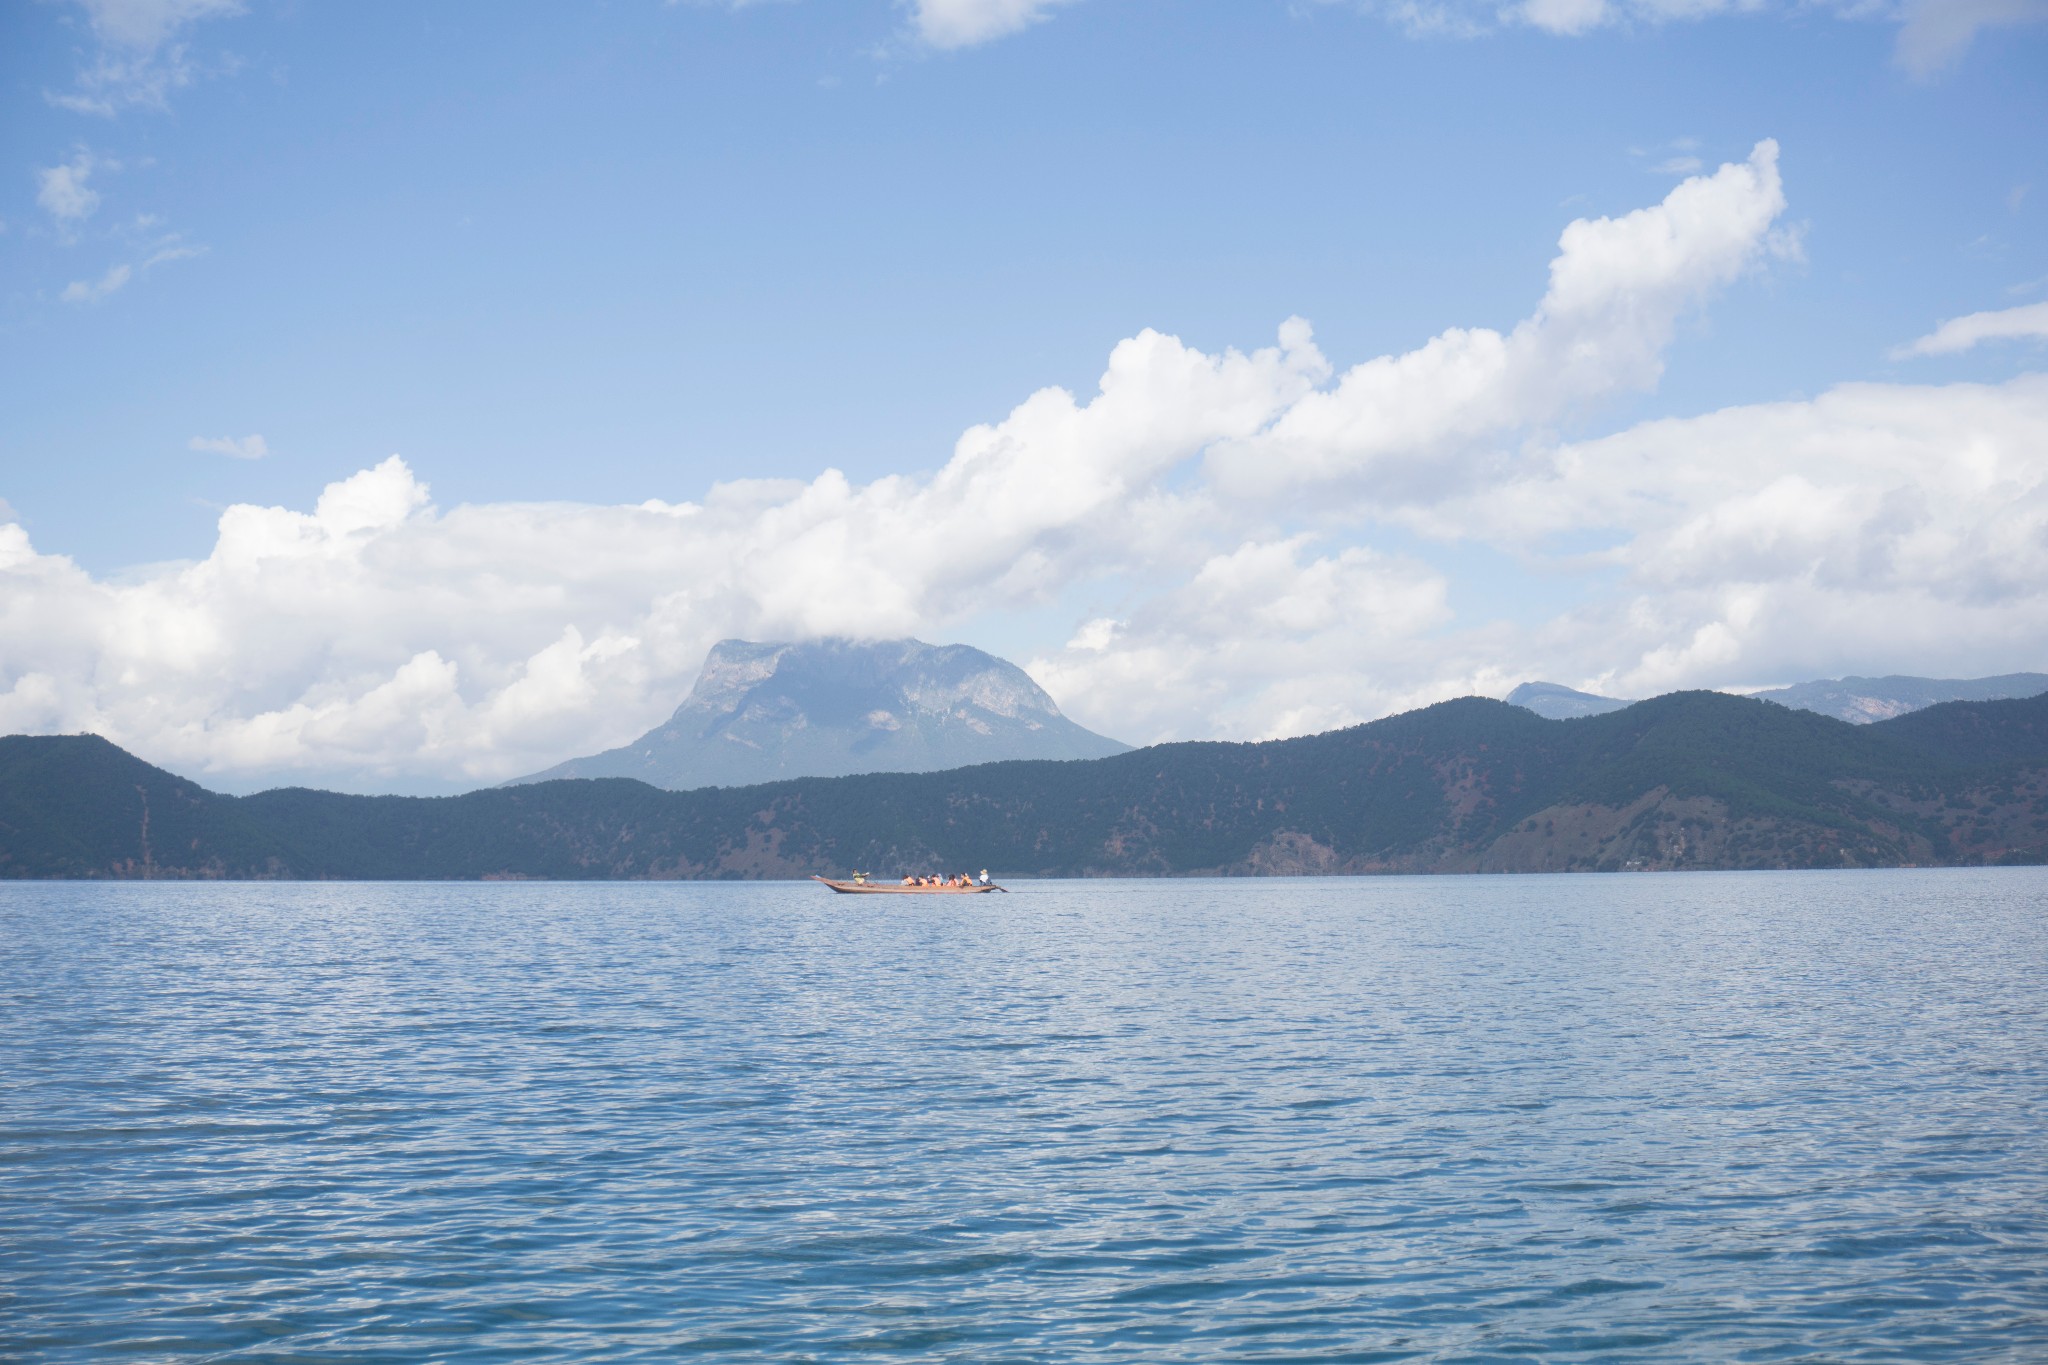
(1690, 780)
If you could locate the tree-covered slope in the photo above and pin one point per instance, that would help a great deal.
(1975, 734)
(1686, 780)
(75, 805)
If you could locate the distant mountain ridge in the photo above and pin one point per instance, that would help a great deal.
(1863, 700)
(1860, 701)
(1555, 701)
(832, 708)
(1692, 780)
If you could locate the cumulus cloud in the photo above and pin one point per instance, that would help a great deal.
(1565, 16)
(1219, 523)
(63, 192)
(1276, 637)
(1873, 521)
(250, 447)
(140, 59)
(2029, 322)
(1877, 527)
(1618, 287)
(963, 23)
(380, 635)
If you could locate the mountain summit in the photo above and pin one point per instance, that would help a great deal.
(1555, 701)
(830, 708)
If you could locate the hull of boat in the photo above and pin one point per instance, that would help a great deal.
(895, 889)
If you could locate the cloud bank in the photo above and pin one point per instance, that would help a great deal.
(1248, 543)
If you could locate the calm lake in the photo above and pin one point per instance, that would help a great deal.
(1771, 1117)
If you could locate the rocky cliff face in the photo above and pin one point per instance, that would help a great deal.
(829, 708)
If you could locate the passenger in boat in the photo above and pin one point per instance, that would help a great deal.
(984, 876)
(910, 881)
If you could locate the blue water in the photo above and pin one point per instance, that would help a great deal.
(1797, 1117)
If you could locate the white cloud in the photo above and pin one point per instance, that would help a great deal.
(139, 61)
(1874, 523)
(1569, 18)
(963, 23)
(1618, 288)
(251, 447)
(1936, 33)
(63, 192)
(146, 25)
(1876, 528)
(516, 634)
(1565, 16)
(96, 291)
(169, 247)
(1269, 638)
(1218, 523)
(1933, 34)
(2029, 321)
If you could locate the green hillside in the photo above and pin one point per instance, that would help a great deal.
(1690, 780)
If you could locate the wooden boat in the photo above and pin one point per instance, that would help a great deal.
(898, 889)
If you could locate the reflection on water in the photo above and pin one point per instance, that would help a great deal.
(1713, 1117)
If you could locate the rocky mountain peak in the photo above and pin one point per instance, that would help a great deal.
(761, 712)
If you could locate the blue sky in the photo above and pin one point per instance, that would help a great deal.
(600, 254)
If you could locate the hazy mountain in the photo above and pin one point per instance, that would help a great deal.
(1856, 700)
(1863, 700)
(761, 712)
(1690, 780)
(1555, 701)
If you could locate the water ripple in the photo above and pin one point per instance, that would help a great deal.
(1754, 1117)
